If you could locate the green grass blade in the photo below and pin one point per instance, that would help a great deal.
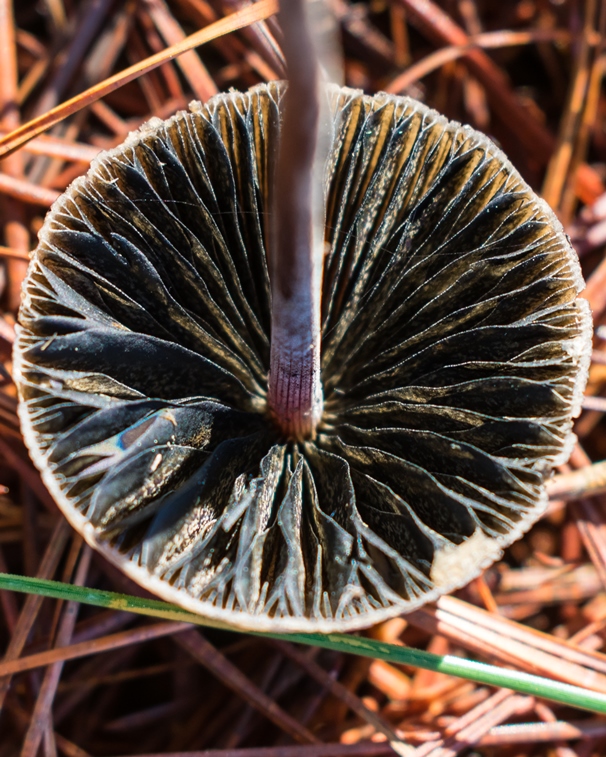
(471, 670)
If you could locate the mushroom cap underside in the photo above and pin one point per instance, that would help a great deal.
(454, 357)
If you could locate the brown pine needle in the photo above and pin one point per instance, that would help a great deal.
(9, 252)
(21, 189)
(56, 147)
(585, 482)
(562, 158)
(85, 648)
(485, 40)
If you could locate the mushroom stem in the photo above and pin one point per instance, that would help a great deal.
(296, 238)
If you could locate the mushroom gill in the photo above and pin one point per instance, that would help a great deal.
(454, 355)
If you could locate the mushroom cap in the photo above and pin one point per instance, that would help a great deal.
(454, 357)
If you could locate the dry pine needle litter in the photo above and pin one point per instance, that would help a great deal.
(454, 354)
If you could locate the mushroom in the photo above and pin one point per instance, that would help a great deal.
(454, 353)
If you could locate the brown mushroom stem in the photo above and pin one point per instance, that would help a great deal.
(296, 243)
